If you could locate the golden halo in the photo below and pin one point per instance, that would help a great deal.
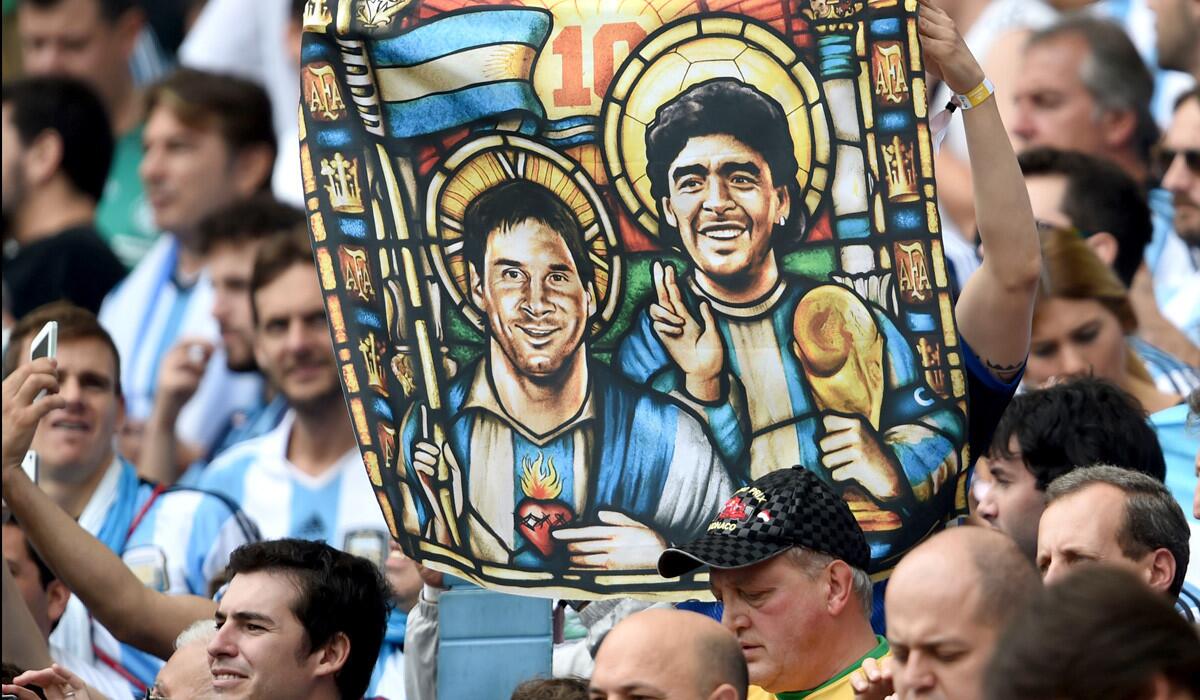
(691, 51)
(482, 163)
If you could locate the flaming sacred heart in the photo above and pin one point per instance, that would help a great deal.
(541, 511)
(537, 519)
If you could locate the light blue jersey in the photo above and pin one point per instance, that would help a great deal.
(1180, 443)
(146, 315)
(175, 540)
(338, 507)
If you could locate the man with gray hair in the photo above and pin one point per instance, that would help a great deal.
(186, 675)
(788, 561)
(1084, 87)
(1113, 515)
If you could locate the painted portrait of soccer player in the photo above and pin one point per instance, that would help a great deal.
(552, 461)
(787, 370)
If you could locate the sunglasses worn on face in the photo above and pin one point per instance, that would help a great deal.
(1161, 159)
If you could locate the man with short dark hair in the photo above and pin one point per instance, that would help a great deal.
(1046, 433)
(697, 659)
(208, 142)
(788, 561)
(305, 478)
(94, 41)
(299, 620)
(1097, 633)
(1105, 513)
(1069, 189)
(230, 238)
(56, 151)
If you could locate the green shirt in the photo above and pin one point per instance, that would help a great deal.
(839, 687)
(123, 215)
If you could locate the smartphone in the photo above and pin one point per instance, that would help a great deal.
(45, 344)
(30, 465)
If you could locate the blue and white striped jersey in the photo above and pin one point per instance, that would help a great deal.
(175, 540)
(1170, 373)
(339, 507)
(146, 315)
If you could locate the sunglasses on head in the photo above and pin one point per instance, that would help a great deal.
(1162, 157)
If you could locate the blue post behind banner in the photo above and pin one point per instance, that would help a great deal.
(491, 642)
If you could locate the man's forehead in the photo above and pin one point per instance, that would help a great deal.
(716, 149)
(1184, 129)
(65, 14)
(526, 240)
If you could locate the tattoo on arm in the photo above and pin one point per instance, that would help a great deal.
(1004, 373)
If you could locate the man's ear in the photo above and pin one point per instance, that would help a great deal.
(785, 202)
(668, 215)
(43, 158)
(1162, 569)
(592, 299)
(475, 285)
(724, 692)
(1118, 127)
(1105, 246)
(333, 655)
(840, 581)
(57, 597)
(252, 168)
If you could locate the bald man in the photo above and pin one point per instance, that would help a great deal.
(669, 654)
(946, 604)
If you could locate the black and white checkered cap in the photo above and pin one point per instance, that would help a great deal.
(786, 508)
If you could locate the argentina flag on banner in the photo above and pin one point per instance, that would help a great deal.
(456, 70)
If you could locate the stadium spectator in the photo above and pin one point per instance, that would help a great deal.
(1048, 432)
(1080, 326)
(176, 540)
(788, 561)
(1069, 189)
(306, 477)
(1136, 646)
(1177, 164)
(261, 43)
(55, 153)
(29, 617)
(185, 676)
(230, 238)
(697, 659)
(1177, 35)
(552, 689)
(947, 603)
(1084, 87)
(1113, 515)
(299, 620)
(94, 41)
(208, 143)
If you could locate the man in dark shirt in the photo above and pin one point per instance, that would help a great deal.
(56, 152)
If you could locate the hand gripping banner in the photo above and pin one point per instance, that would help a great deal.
(590, 266)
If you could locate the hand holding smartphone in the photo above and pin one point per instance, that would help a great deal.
(45, 344)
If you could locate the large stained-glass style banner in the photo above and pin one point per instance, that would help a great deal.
(590, 266)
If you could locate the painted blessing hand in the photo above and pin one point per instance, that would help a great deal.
(620, 543)
(426, 457)
(695, 346)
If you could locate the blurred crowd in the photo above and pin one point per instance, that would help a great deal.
(196, 461)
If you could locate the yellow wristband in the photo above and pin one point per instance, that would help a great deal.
(976, 95)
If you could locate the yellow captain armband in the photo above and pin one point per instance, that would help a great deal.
(976, 95)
